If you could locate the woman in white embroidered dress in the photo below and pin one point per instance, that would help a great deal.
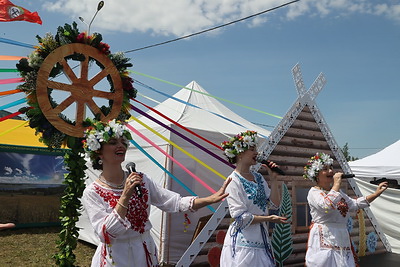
(120, 217)
(329, 243)
(246, 242)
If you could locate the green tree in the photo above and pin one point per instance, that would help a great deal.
(346, 153)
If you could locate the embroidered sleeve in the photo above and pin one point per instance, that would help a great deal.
(186, 203)
(356, 204)
(323, 201)
(237, 200)
(103, 217)
(243, 221)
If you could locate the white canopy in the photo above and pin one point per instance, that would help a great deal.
(168, 231)
(385, 163)
(386, 210)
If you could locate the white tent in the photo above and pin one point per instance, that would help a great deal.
(169, 230)
(386, 164)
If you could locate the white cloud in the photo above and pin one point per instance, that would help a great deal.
(181, 17)
(7, 170)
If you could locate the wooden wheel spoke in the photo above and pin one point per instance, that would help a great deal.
(60, 86)
(99, 76)
(102, 94)
(94, 108)
(63, 105)
(80, 111)
(81, 89)
(68, 71)
(85, 68)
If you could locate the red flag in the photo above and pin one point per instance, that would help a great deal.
(11, 12)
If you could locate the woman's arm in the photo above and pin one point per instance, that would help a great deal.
(381, 188)
(275, 195)
(214, 198)
(269, 218)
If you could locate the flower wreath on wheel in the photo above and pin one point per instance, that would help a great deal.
(29, 68)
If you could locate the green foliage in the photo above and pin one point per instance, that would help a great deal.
(282, 234)
(346, 153)
(70, 202)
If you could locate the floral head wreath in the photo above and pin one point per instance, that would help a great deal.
(315, 164)
(101, 132)
(239, 143)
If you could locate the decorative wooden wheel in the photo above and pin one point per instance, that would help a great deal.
(81, 89)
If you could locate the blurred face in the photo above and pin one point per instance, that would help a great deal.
(325, 175)
(114, 151)
(249, 156)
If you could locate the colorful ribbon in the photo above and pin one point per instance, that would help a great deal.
(12, 104)
(190, 104)
(12, 80)
(177, 124)
(165, 170)
(8, 41)
(182, 136)
(171, 158)
(12, 129)
(8, 70)
(10, 92)
(10, 57)
(179, 148)
(9, 116)
(219, 98)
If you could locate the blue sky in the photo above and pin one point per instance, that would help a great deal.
(356, 45)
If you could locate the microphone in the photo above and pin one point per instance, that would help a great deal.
(268, 162)
(347, 176)
(131, 167)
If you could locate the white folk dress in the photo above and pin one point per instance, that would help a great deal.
(247, 244)
(127, 241)
(329, 242)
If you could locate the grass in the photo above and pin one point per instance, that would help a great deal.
(34, 247)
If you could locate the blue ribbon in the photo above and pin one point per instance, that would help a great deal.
(8, 41)
(12, 104)
(168, 172)
(190, 104)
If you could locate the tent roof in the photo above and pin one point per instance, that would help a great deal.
(20, 136)
(201, 119)
(384, 163)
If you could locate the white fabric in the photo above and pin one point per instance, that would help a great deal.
(329, 241)
(249, 245)
(122, 239)
(386, 209)
(385, 163)
(169, 232)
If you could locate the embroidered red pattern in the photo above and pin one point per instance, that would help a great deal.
(137, 213)
(324, 244)
(343, 207)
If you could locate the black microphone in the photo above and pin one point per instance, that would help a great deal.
(268, 162)
(131, 167)
(347, 176)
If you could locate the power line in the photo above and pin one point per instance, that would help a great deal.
(214, 28)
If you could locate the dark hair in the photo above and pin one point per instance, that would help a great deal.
(232, 160)
(96, 164)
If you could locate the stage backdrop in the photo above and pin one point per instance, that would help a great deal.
(30, 185)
